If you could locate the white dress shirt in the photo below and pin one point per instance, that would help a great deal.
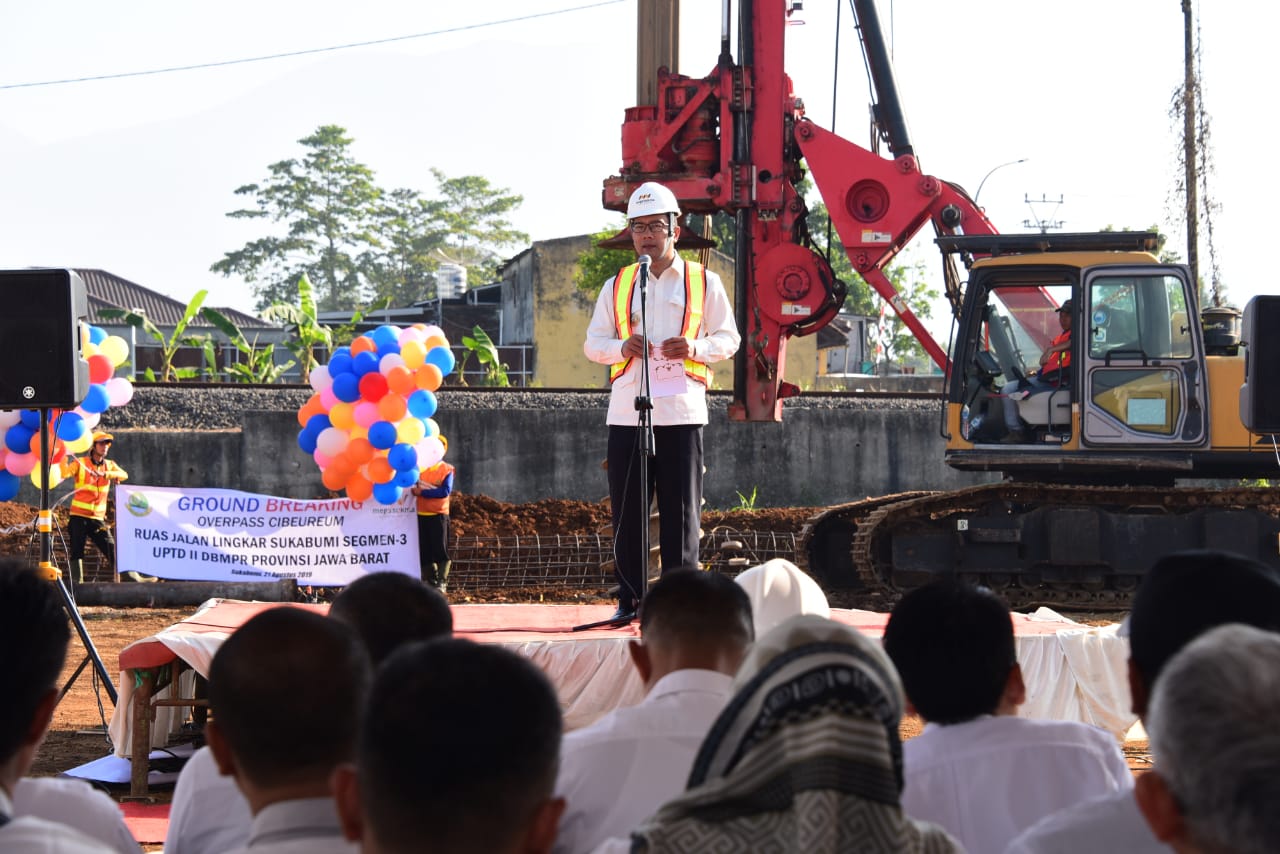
(664, 318)
(208, 814)
(1102, 825)
(618, 771)
(303, 826)
(987, 780)
(76, 804)
(33, 835)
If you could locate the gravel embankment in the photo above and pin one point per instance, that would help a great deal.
(205, 407)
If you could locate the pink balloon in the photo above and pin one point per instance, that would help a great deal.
(366, 413)
(20, 464)
(319, 378)
(327, 397)
(119, 391)
(321, 460)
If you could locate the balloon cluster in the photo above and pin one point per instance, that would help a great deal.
(71, 431)
(369, 425)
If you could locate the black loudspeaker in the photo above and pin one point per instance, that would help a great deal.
(42, 362)
(1260, 394)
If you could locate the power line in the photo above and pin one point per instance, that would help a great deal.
(244, 60)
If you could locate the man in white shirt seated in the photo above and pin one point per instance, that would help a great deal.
(695, 628)
(76, 804)
(285, 692)
(387, 610)
(977, 769)
(1182, 596)
(34, 636)
(1212, 725)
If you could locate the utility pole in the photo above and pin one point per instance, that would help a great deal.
(1190, 178)
(657, 45)
(1037, 221)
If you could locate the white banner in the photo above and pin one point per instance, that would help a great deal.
(225, 535)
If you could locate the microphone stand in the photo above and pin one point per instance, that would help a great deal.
(644, 427)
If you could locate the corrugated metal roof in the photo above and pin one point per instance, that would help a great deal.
(107, 290)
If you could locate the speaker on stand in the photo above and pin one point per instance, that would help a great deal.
(42, 367)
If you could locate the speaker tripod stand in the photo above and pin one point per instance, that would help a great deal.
(50, 572)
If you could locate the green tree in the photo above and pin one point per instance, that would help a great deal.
(900, 344)
(597, 264)
(480, 345)
(328, 203)
(472, 215)
(401, 270)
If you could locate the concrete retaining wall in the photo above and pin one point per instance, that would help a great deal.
(815, 457)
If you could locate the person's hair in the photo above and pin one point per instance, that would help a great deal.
(286, 691)
(34, 636)
(460, 745)
(695, 607)
(1187, 593)
(953, 646)
(388, 609)
(1214, 739)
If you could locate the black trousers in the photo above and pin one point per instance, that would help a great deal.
(81, 528)
(675, 475)
(433, 538)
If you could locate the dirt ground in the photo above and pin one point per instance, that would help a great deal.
(78, 732)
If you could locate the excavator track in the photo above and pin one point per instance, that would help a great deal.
(1079, 547)
(826, 539)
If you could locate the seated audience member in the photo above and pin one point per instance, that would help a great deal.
(1212, 728)
(457, 753)
(1182, 596)
(77, 804)
(1215, 744)
(780, 590)
(285, 692)
(977, 769)
(386, 609)
(695, 627)
(805, 757)
(34, 636)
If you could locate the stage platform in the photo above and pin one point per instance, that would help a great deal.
(1072, 671)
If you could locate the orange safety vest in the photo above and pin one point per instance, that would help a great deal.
(93, 486)
(695, 299)
(432, 478)
(1061, 360)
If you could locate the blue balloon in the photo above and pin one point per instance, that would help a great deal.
(97, 334)
(382, 435)
(422, 404)
(442, 358)
(340, 364)
(317, 423)
(18, 438)
(388, 349)
(385, 336)
(364, 363)
(97, 400)
(407, 478)
(403, 456)
(9, 483)
(71, 426)
(387, 493)
(307, 440)
(346, 387)
(30, 418)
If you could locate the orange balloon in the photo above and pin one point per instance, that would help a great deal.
(380, 470)
(359, 488)
(360, 451)
(313, 406)
(401, 380)
(392, 408)
(429, 377)
(434, 341)
(363, 344)
(333, 479)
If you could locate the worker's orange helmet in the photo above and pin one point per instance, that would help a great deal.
(444, 442)
(102, 436)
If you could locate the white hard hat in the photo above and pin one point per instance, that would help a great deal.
(652, 198)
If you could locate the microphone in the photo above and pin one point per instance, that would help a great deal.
(644, 261)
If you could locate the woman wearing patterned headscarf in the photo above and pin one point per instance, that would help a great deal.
(806, 756)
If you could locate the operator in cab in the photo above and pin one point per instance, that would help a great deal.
(1053, 374)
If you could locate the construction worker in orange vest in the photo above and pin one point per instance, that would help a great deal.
(688, 320)
(93, 475)
(434, 487)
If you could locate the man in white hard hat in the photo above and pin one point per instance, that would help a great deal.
(688, 318)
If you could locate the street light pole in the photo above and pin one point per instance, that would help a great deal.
(993, 171)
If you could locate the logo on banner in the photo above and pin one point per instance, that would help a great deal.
(138, 504)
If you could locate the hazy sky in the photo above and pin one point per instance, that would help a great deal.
(135, 174)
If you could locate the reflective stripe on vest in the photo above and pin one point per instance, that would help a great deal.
(92, 487)
(695, 300)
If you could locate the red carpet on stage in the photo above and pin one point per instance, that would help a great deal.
(147, 822)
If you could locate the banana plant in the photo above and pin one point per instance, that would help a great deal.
(169, 345)
(259, 365)
(306, 330)
(479, 344)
